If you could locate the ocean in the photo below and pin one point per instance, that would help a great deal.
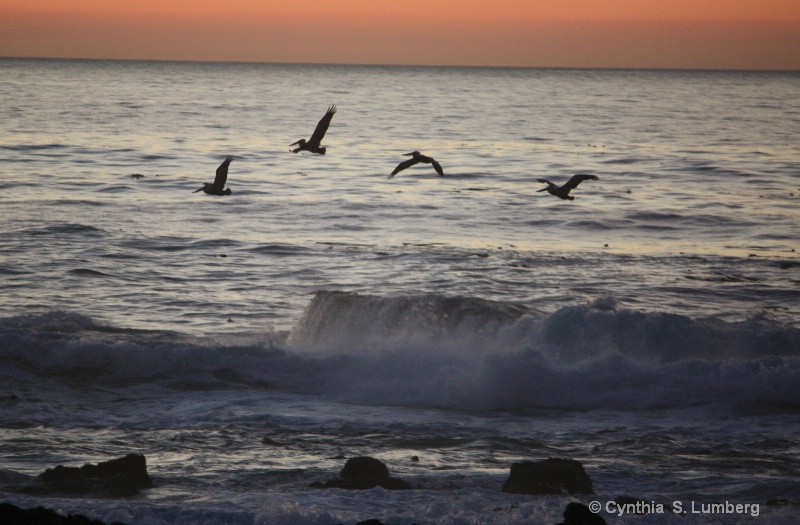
(447, 326)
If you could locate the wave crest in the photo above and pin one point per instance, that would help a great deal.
(348, 320)
(472, 354)
(435, 351)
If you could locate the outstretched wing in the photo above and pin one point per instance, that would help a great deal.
(322, 127)
(577, 179)
(549, 185)
(403, 165)
(222, 173)
(437, 167)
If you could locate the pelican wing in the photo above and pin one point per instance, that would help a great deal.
(403, 165)
(577, 179)
(222, 173)
(437, 167)
(322, 127)
(549, 185)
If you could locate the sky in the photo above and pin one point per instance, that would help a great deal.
(695, 34)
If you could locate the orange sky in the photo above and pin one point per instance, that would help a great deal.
(717, 34)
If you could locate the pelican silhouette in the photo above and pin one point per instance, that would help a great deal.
(219, 181)
(417, 157)
(562, 192)
(314, 143)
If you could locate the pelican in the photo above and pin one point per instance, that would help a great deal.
(417, 157)
(314, 143)
(219, 180)
(562, 192)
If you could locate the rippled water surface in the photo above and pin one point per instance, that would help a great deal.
(649, 328)
(698, 171)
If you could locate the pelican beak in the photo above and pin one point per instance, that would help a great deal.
(195, 191)
(407, 154)
(295, 143)
(543, 189)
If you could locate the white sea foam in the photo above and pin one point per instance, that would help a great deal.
(441, 352)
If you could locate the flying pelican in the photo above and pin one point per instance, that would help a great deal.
(314, 143)
(417, 157)
(562, 192)
(219, 180)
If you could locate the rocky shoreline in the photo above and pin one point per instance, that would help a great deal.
(126, 476)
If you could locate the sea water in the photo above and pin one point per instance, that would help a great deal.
(246, 344)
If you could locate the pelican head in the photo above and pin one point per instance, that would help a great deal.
(550, 188)
(301, 143)
(412, 154)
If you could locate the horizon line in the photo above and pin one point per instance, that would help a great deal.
(345, 64)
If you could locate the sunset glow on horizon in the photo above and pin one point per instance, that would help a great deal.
(699, 34)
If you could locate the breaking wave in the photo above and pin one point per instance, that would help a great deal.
(438, 351)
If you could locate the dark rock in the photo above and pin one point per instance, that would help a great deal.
(363, 473)
(633, 503)
(781, 502)
(116, 478)
(364, 468)
(372, 522)
(579, 514)
(548, 477)
(13, 515)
